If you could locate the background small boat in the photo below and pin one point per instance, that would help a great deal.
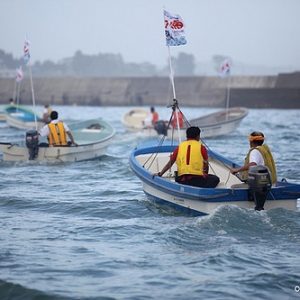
(133, 120)
(92, 136)
(212, 125)
(148, 160)
(21, 117)
(221, 122)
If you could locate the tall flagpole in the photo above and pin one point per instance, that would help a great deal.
(33, 98)
(171, 73)
(27, 56)
(174, 31)
(228, 96)
(174, 95)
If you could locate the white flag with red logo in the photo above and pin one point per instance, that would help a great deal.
(19, 74)
(225, 68)
(174, 29)
(26, 55)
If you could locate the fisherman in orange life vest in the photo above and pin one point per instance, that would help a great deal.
(180, 119)
(151, 118)
(192, 162)
(259, 154)
(154, 114)
(57, 132)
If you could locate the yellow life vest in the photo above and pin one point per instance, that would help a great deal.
(268, 159)
(189, 158)
(57, 135)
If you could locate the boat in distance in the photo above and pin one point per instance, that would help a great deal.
(231, 190)
(21, 117)
(92, 137)
(215, 124)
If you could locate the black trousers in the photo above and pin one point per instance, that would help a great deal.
(208, 181)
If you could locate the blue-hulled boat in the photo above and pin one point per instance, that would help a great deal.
(22, 117)
(146, 161)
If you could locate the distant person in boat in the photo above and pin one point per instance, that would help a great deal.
(180, 119)
(46, 114)
(192, 162)
(152, 118)
(259, 154)
(57, 132)
(11, 101)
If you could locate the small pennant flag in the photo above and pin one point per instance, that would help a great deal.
(26, 55)
(19, 74)
(225, 68)
(174, 29)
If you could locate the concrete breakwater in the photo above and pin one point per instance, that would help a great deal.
(282, 91)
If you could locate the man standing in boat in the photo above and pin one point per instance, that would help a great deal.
(57, 131)
(192, 162)
(259, 154)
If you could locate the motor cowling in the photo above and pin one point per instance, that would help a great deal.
(161, 127)
(32, 143)
(259, 181)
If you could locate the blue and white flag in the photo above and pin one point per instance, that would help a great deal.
(174, 29)
(26, 55)
(19, 74)
(225, 68)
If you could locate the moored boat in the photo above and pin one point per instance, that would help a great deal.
(92, 136)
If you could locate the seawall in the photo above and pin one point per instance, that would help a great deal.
(282, 91)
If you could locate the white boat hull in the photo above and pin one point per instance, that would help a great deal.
(206, 208)
(216, 124)
(55, 154)
(92, 137)
(19, 124)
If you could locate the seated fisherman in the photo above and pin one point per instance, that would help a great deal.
(192, 162)
(57, 132)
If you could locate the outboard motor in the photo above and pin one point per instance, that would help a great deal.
(260, 184)
(32, 143)
(161, 127)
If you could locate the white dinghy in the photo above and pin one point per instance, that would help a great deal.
(92, 136)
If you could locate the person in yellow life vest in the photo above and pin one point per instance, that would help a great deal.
(57, 132)
(192, 162)
(259, 154)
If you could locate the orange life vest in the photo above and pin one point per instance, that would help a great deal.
(154, 117)
(57, 135)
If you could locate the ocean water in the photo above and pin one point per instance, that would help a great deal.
(86, 230)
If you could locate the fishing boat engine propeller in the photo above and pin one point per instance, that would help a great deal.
(260, 184)
(32, 143)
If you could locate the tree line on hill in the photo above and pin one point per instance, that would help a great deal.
(102, 64)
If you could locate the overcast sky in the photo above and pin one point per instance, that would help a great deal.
(260, 32)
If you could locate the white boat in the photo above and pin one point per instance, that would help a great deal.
(133, 119)
(147, 160)
(92, 136)
(212, 125)
(221, 122)
(21, 117)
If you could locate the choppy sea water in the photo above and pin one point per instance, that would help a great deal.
(86, 230)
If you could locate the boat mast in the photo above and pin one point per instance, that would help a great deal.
(175, 102)
(27, 61)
